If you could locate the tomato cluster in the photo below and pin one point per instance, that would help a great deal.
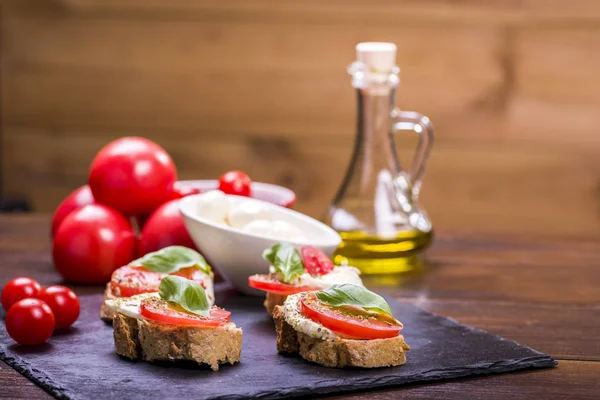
(33, 312)
(132, 187)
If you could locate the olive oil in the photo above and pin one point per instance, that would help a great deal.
(372, 254)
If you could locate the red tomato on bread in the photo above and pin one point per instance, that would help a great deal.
(315, 261)
(267, 284)
(158, 310)
(355, 325)
(129, 280)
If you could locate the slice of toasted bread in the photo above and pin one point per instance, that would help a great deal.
(140, 339)
(272, 300)
(339, 352)
(106, 314)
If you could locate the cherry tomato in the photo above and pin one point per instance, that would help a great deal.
(30, 321)
(315, 261)
(235, 182)
(79, 198)
(63, 302)
(129, 280)
(17, 289)
(268, 284)
(164, 228)
(351, 325)
(91, 243)
(132, 175)
(158, 310)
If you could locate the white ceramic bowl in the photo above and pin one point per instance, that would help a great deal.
(237, 254)
(263, 191)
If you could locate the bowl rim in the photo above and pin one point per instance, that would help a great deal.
(287, 194)
(335, 240)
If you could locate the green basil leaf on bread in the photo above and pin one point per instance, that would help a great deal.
(186, 293)
(286, 260)
(354, 296)
(172, 259)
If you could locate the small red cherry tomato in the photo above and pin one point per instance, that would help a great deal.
(132, 175)
(30, 321)
(164, 228)
(235, 182)
(63, 302)
(315, 261)
(91, 243)
(17, 289)
(79, 198)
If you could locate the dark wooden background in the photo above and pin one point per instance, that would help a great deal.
(513, 87)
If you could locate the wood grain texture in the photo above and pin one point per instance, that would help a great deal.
(511, 86)
(539, 291)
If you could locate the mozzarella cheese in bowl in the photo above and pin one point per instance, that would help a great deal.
(246, 216)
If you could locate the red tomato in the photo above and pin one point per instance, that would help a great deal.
(17, 289)
(235, 182)
(79, 198)
(351, 325)
(160, 311)
(91, 243)
(315, 261)
(30, 321)
(63, 302)
(164, 228)
(128, 281)
(268, 284)
(132, 175)
(180, 192)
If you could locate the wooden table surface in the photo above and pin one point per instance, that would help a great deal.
(541, 292)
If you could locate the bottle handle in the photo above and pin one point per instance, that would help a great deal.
(419, 123)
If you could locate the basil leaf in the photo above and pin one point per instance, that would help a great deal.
(286, 260)
(172, 259)
(186, 293)
(353, 295)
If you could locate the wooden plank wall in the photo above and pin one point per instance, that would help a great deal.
(513, 87)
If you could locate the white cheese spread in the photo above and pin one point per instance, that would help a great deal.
(293, 316)
(129, 306)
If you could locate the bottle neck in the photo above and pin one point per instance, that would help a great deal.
(374, 145)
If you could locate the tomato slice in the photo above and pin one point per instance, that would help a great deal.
(352, 324)
(315, 261)
(272, 285)
(160, 311)
(128, 281)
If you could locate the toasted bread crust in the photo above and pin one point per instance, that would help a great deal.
(153, 341)
(338, 352)
(272, 300)
(106, 314)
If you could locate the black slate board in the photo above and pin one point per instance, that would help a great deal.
(82, 364)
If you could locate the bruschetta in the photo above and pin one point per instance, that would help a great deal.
(294, 271)
(343, 326)
(176, 323)
(145, 274)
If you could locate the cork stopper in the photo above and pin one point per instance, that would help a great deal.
(377, 56)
